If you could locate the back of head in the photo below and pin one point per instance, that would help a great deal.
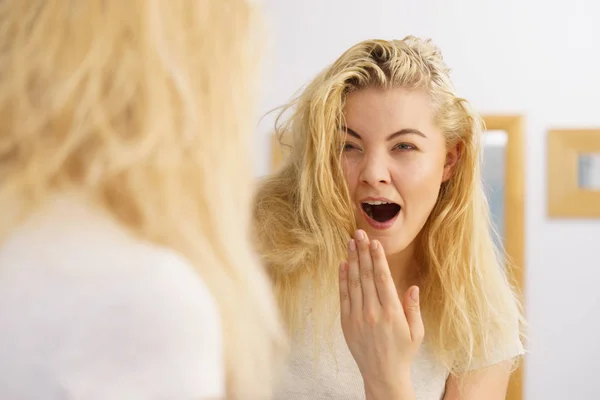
(304, 209)
(143, 106)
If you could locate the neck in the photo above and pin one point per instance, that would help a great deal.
(403, 268)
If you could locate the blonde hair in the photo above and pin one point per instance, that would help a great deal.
(144, 107)
(303, 215)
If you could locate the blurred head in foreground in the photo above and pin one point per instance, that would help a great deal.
(143, 107)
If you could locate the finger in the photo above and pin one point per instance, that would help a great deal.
(388, 295)
(365, 262)
(354, 289)
(412, 310)
(344, 295)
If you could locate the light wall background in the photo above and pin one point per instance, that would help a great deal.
(537, 58)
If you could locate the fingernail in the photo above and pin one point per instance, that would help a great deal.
(352, 245)
(360, 235)
(374, 245)
(415, 294)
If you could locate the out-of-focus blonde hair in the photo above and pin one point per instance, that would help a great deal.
(303, 215)
(144, 107)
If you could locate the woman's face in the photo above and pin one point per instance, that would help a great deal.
(395, 160)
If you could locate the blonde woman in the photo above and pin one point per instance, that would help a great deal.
(125, 271)
(377, 236)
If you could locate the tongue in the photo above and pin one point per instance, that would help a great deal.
(384, 212)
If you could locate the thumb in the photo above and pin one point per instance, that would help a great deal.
(412, 310)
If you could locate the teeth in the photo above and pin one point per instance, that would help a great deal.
(376, 203)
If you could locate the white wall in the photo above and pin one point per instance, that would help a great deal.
(532, 58)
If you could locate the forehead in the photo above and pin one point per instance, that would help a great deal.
(383, 111)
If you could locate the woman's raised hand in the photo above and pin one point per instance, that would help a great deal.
(382, 333)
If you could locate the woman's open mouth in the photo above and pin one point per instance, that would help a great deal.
(381, 214)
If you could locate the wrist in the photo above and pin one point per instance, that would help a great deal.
(400, 388)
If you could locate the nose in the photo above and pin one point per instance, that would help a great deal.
(375, 170)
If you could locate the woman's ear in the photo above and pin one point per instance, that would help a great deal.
(452, 158)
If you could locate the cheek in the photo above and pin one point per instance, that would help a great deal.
(419, 179)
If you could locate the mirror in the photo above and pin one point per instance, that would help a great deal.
(493, 174)
(588, 171)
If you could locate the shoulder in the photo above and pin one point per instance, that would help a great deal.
(508, 350)
(119, 316)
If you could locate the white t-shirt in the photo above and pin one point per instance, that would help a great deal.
(332, 373)
(87, 311)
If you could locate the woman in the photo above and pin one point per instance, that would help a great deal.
(125, 271)
(383, 179)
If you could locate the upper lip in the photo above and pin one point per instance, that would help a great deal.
(366, 199)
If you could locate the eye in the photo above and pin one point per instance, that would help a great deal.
(405, 147)
(349, 147)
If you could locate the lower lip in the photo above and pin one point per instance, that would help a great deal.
(380, 225)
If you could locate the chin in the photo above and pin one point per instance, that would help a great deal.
(392, 240)
(392, 245)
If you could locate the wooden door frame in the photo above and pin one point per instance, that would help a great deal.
(514, 209)
(514, 214)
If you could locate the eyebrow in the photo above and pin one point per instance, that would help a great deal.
(401, 132)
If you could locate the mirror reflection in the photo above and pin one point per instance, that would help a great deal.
(589, 171)
(493, 174)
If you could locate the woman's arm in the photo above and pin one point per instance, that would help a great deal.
(490, 383)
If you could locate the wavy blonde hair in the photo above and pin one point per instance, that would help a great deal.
(303, 215)
(144, 107)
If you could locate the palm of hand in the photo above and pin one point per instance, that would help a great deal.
(382, 333)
